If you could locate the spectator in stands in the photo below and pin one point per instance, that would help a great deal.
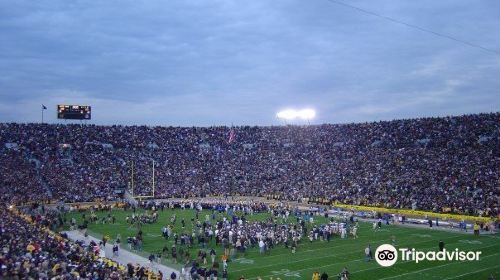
(437, 164)
(30, 251)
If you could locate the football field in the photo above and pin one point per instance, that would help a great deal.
(322, 256)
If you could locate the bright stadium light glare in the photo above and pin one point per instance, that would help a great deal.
(291, 114)
(307, 114)
(288, 114)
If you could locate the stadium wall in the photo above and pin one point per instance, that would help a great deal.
(417, 213)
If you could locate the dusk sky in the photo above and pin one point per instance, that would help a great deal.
(219, 62)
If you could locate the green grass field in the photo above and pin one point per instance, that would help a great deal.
(330, 257)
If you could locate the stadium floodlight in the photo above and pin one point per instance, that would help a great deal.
(307, 114)
(288, 114)
(291, 114)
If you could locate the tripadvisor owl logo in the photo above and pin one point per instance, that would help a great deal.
(386, 255)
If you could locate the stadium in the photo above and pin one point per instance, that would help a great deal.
(217, 147)
(229, 188)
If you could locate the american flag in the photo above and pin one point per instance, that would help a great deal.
(232, 135)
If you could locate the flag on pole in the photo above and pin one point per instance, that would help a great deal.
(232, 135)
(43, 107)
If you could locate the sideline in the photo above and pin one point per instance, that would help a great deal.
(304, 206)
(125, 256)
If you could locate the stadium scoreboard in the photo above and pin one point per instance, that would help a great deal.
(73, 112)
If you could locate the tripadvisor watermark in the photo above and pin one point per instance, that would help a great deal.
(386, 255)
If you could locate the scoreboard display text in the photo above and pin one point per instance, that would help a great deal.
(73, 112)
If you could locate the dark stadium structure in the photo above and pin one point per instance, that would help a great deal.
(447, 164)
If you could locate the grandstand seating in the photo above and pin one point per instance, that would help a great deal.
(437, 164)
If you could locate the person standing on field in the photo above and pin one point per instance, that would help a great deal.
(212, 255)
(441, 245)
(476, 229)
(368, 254)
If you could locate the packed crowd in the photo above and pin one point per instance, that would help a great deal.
(439, 164)
(31, 250)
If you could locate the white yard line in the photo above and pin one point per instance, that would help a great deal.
(379, 267)
(361, 253)
(266, 257)
(476, 271)
(434, 267)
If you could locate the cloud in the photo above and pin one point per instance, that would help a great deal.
(222, 62)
